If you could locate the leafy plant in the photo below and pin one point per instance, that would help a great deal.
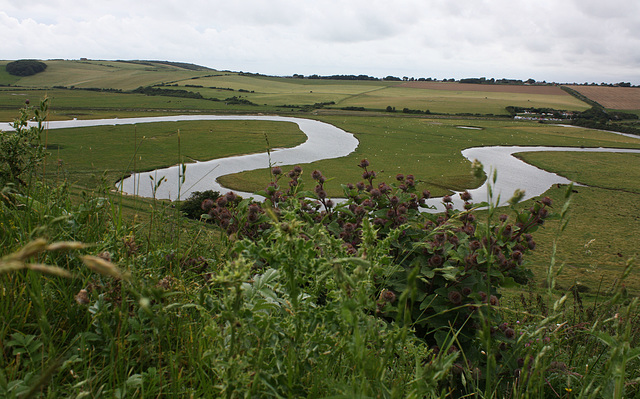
(21, 150)
(448, 268)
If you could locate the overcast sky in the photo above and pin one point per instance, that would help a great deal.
(552, 40)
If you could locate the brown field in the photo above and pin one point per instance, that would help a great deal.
(612, 97)
(454, 86)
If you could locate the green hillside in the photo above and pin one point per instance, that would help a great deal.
(242, 92)
(125, 75)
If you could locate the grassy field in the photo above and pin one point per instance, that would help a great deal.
(81, 104)
(430, 149)
(270, 92)
(452, 101)
(88, 154)
(379, 95)
(605, 221)
(103, 74)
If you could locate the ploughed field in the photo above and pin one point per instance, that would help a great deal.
(627, 98)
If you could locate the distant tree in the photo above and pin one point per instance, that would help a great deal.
(25, 67)
(392, 78)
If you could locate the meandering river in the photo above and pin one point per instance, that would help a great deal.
(324, 141)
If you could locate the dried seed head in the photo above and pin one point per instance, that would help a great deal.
(483, 296)
(435, 260)
(106, 255)
(82, 297)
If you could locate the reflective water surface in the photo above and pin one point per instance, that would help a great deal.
(324, 141)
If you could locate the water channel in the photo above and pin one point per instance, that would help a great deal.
(324, 141)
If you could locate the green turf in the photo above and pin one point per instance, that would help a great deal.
(601, 236)
(449, 101)
(106, 74)
(86, 153)
(5, 77)
(430, 149)
(619, 172)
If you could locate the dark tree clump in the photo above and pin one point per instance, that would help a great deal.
(25, 67)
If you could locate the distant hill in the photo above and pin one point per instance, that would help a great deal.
(123, 75)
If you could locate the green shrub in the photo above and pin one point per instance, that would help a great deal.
(21, 150)
(448, 268)
(194, 206)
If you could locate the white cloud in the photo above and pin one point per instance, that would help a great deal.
(562, 40)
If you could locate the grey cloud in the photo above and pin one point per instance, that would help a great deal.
(542, 39)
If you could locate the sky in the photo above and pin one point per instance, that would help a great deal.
(548, 40)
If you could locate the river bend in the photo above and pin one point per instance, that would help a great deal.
(324, 141)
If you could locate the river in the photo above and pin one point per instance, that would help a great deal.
(324, 141)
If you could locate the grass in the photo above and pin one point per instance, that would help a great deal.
(267, 92)
(105, 74)
(604, 222)
(88, 155)
(69, 104)
(181, 309)
(178, 313)
(471, 102)
(611, 171)
(430, 149)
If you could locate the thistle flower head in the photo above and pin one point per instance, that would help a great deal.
(207, 204)
(387, 296)
(455, 297)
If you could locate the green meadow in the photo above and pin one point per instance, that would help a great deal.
(444, 101)
(114, 151)
(431, 149)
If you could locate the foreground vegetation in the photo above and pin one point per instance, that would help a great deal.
(291, 297)
(300, 296)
